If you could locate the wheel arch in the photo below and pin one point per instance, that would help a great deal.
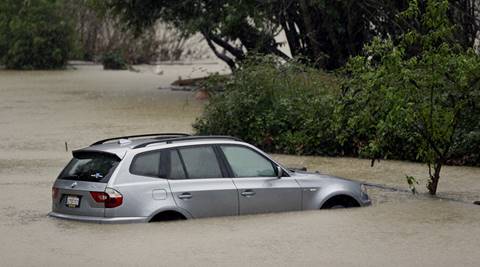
(340, 195)
(172, 210)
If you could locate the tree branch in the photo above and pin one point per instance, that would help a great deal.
(221, 56)
(236, 52)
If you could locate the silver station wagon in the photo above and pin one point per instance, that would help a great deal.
(160, 177)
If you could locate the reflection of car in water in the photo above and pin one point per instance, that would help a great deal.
(176, 176)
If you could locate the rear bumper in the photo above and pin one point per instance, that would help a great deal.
(98, 219)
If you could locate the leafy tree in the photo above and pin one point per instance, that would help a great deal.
(231, 25)
(323, 32)
(425, 89)
(98, 33)
(33, 35)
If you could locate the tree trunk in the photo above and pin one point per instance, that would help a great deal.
(433, 183)
(311, 34)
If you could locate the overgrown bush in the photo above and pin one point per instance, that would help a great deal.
(33, 35)
(284, 108)
(114, 61)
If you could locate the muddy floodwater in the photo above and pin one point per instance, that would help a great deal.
(40, 111)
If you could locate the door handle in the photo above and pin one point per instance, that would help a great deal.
(248, 193)
(185, 196)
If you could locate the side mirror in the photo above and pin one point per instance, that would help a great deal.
(279, 172)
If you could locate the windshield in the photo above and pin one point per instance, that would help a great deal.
(90, 166)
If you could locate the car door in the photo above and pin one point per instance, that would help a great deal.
(259, 188)
(143, 184)
(199, 182)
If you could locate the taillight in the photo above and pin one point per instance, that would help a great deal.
(54, 192)
(114, 199)
(111, 198)
(99, 196)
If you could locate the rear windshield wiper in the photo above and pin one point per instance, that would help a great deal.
(83, 177)
(70, 177)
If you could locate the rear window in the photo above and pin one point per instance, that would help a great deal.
(90, 166)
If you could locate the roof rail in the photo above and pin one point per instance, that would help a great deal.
(187, 138)
(158, 135)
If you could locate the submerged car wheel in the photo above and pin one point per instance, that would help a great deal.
(340, 202)
(338, 206)
(168, 216)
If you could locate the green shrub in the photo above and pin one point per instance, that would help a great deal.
(466, 145)
(428, 97)
(281, 108)
(114, 61)
(33, 35)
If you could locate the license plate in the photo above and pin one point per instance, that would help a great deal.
(73, 201)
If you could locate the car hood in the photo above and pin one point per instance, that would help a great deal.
(320, 177)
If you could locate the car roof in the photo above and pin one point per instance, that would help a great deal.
(119, 147)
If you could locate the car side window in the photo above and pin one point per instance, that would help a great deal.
(200, 162)
(146, 164)
(176, 166)
(247, 163)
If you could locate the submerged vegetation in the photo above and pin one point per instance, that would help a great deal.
(413, 99)
(45, 34)
(114, 61)
(33, 35)
(285, 108)
(427, 99)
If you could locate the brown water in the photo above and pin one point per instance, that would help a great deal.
(40, 111)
